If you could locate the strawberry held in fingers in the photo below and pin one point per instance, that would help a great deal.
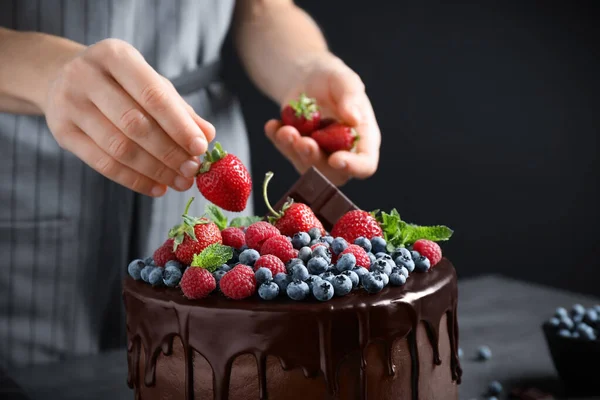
(224, 180)
(303, 114)
(335, 137)
(293, 217)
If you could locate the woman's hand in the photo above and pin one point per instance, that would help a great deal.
(109, 107)
(340, 94)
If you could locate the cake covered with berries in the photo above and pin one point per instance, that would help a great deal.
(319, 300)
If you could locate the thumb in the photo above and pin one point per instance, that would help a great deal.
(347, 91)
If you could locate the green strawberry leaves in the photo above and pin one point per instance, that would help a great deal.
(212, 257)
(304, 107)
(216, 215)
(398, 233)
(178, 232)
(213, 156)
(239, 222)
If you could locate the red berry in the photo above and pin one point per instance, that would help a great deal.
(258, 232)
(314, 246)
(271, 262)
(197, 283)
(279, 246)
(164, 253)
(303, 114)
(224, 180)
(362, 258)
(356, 223)
(238, 283)
(335, 137)
(429, 249)
(233, 237)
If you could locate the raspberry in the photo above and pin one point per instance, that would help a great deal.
(197, 283)
(271, 262)
(280, 247)
(429, 249)
(164, 253)
(238, 283)
(233, 237)
(258, 232)
(362, 258)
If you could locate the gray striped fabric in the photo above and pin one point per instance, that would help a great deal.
(67, 233)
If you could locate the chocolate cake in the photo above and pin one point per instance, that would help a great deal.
(398, 343)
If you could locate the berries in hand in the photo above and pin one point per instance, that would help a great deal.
(364, 243)
(233, 237)
(297, 290)
(356, 223)
(353, 277)
(421, 264)
(155, 278)
(258, 232)
(249, 257)
(263, 275)
(397, 279)
(362, 259)
(335, 137)
(372, 282)
(271, 262)
(172, 276)
(282, 280)
(197, 283)
(224, 180)
(342, 285)
(268, 290)
(323, 291)
(303, 114)
(164, 253)
(300, 239)
(238, 283)
(429, 249)
(317, 265)
(378, 244)
(280, 247)
(346, 262)
(134, 269)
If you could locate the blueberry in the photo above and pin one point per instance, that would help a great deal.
(555, 322)
(300, 240)
(263, 275)
(312, 280)
(314, 233)
(372, 257)
(401, 251)
(300, 272)
(327, 239)
(174, 263)
(346, 262)
(566, 323)
(322, 251)
(460, 352)
(235, 257)
(360, 272)
(384, 276)
(268, 290)
(414, 254)
(492, 398)
(305, 254)
(249, 257)
(401, 271)
(135, 268)
(382, 266)
(327, 276)
(282, 280)
(597, 308)
(224, 268)
(575, 335)
(577, 318)
(405, 262)
(397, 279)
(155, 278)
(149, 261)
(342, 285)
(289, 266)
(313, 242)
(317, 265)
(171, 276)
(378, 244)
(338, 245)
(323, 291)
(484, 353)
(421, 264)
(494, 388)
(588, 335)
(564, 333)
(297, 290)
(364, 243)
(577, 309)
(372, 282)
(353, 277)
(591, 316)
(561, 312)
(218, 274)
(145, 272)
(381, 254)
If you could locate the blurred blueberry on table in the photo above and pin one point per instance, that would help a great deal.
(561, 312)
(492, 398)
(282, 280)
(460, 352)
(323, 291)
(172, 275)
(346, 262)
(268, 290)
(314, 233)
(495, 388)
(484, 353)
(353, 277)
(305, 253)
(263, 275)
(555, 322)
(338, 245)
(317, 265)
(249, 257)
(134, 269)
(300, 239)
(378, 244)
(591, 316)
(364, 243)
(564, 333)
(145, 273)
(155, 278)
(566, 323)
(297, 290)
(577, 309)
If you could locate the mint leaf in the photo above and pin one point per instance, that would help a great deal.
(213, 257)
(436, 233)
(238, 222)
(398, 233)
(215, 214)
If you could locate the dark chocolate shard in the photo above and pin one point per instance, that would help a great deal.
(323, 197)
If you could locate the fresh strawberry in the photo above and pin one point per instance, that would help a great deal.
(429, 249)
(293, 217)
(258, 232)
(279, 246)
(271, 262)
(303, 114)
(335, 137)
(164, 253)
(224, 180)
(197, 283)
(356, 223)
(362, 258)
(193, 235)
(238, 283)
(233, 237)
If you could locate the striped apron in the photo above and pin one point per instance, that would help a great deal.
(66, 232)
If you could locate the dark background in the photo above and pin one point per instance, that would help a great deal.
(489, 117)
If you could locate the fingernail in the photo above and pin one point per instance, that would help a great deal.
(199, 146)
(189, 168)
(181, 183)
(157, 191)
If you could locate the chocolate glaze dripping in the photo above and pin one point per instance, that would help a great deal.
(156, 315)
(414, 357)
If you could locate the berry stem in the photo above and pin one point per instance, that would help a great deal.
(268, 177)
(187, 206)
